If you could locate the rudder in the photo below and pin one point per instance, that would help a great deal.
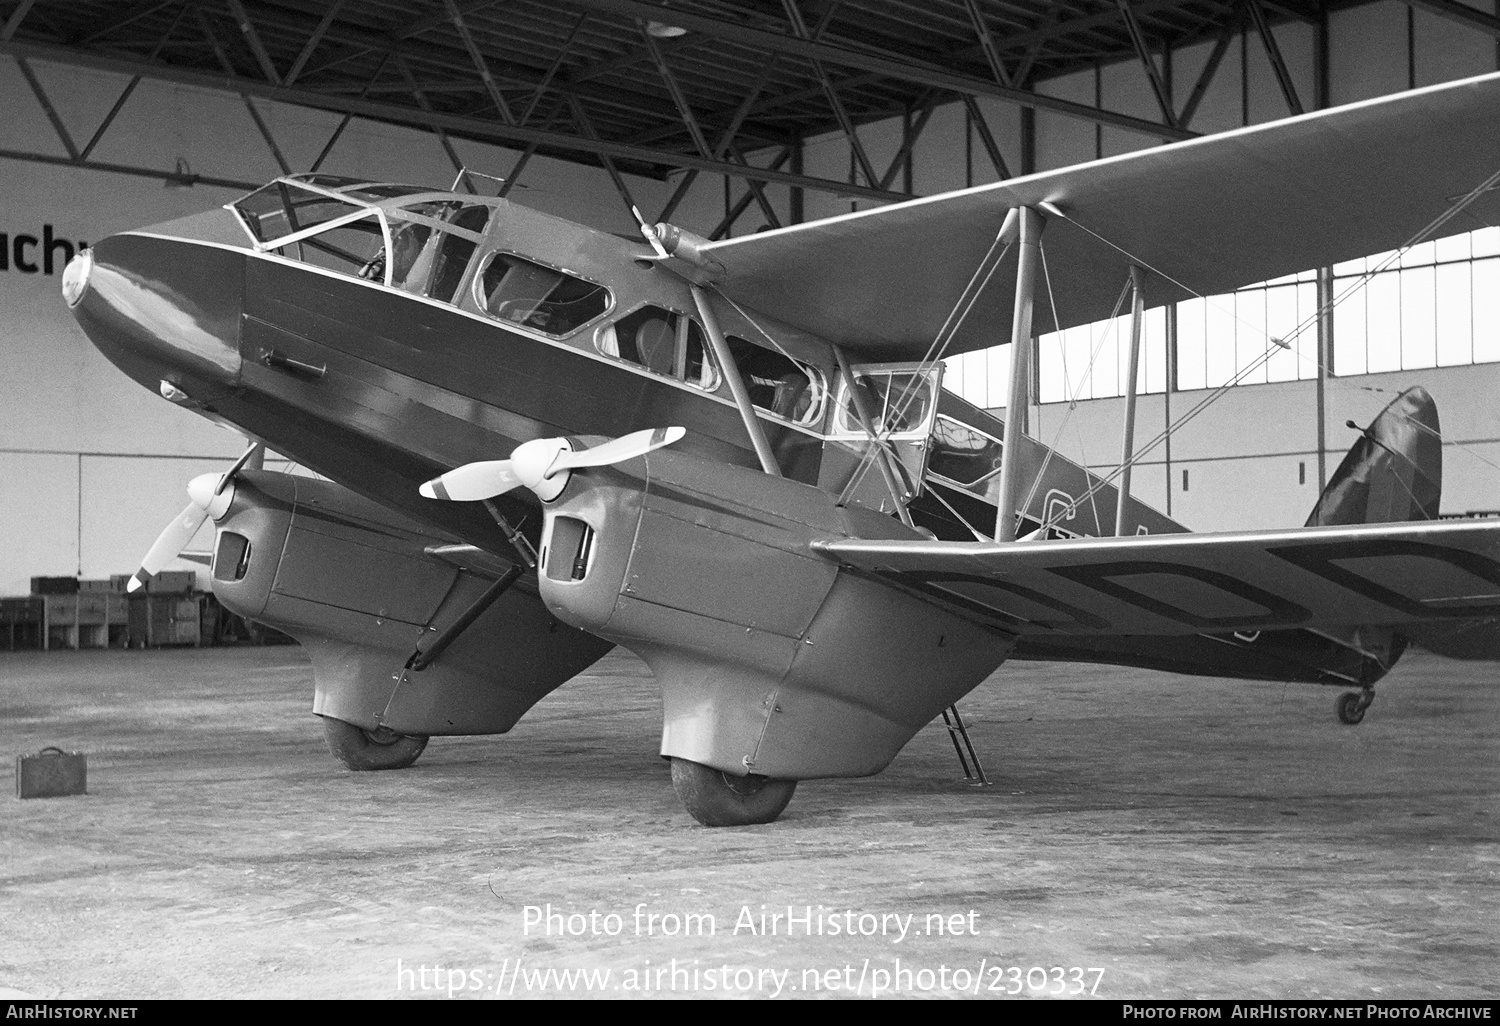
(1393, 473)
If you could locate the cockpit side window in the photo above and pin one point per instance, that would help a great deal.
(897, 401)
(429, 256)
(541, 298)
(661, 341)
(962, 454)
(281, 209)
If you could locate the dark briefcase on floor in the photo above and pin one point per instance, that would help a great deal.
(51, 773)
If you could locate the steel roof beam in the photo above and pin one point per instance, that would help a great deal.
(476, 128)
(252, 39)
(309, 47)
(886, 64)
(1461, 13)
(109, 118)
(449, 59)
(987, 43)
(480, 63)
(51, 111)
(1023, 71)
(799, 27)
(139, 11)
(986, 137)
(1143, 51)
(743, 203)
(552, 70)
(759, 192)
(1060, 28)
(678, 97)
(1273, 52)
(126, 169)
(364, 44)
(587, 127)
(16, 17)
(913, 132)
(1211, 68)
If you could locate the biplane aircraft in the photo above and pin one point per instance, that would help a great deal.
(735, 458)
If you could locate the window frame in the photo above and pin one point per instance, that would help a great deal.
(481, 301)
(816, 381)
(682, 331)
(978, 487)
(933, 375)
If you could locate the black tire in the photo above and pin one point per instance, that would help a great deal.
(361, 749)
(1351, 707)
(715, 798)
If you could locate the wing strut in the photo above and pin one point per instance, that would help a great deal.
(1028, 255)
(1137, 318)
(669, 240)
(736, 383)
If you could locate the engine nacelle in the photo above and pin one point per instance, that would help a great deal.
(363, 589)
(772, 660)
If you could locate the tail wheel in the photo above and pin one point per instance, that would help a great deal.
(1351, 706)
(715, 798)
(379, 749)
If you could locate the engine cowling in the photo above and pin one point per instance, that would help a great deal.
(772, 660)
(363, 589)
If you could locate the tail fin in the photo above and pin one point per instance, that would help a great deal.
(1393, 473)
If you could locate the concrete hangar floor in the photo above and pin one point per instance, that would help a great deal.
(1166, 836)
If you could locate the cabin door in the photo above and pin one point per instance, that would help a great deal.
(901, 400)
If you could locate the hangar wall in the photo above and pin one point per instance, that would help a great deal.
(92, 466)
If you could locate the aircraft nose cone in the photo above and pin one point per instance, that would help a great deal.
(201, 489)
(75, 277)
(162, 309)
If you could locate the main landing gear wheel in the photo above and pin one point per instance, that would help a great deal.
(716, 798)
(1351, 705)
(379, 749)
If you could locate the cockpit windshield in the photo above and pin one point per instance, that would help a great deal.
(282, 209)
(367, 230)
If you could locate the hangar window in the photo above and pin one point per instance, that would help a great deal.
(778, 384)
(541, 298)
(664, 342)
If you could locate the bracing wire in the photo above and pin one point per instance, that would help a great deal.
(1073, 398)
(1452, 211)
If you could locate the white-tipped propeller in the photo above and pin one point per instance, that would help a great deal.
(650, 234)
(211, 496)
(542, 465)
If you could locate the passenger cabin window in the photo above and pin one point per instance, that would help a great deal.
(963, 455)
(777, 383)
(663, 342)
(541, 298)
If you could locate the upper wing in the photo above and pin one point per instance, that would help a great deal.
(1214, 213)
(1191, 583)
